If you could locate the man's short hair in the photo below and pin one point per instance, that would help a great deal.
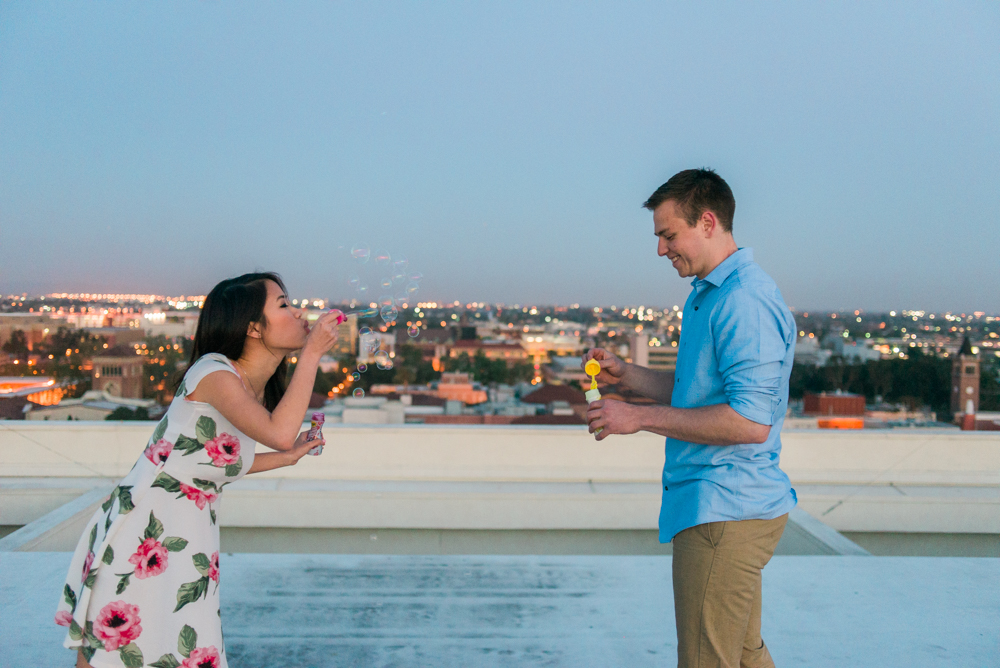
(697, 191)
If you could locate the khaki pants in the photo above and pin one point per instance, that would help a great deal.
(717, 592)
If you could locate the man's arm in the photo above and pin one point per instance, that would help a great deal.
(652, 384)
(708, 425)
(655, 385)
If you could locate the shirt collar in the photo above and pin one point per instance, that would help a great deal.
(719, 275)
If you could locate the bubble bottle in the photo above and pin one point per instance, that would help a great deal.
(316, 431)
(592, 368)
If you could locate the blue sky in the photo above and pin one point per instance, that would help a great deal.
(504, 148)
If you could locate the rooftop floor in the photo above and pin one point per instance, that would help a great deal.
(287, 610)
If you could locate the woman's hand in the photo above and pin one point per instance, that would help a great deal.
(302, 446)
(323, 334)
(612, 367)
(268, 461)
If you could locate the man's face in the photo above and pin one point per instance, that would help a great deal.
(686, 247)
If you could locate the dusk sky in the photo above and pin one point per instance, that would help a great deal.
(504, 148)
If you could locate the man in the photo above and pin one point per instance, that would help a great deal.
(725, 501)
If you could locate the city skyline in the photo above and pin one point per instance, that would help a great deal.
(504, 150)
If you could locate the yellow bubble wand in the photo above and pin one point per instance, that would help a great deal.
(592, 368)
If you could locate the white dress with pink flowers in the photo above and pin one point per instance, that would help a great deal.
(143, 586)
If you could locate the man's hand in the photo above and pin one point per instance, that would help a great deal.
(613, 417)
(612, 367)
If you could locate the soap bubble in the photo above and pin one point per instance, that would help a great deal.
(402, 298)
(399, 278)
(386, 282)
(362, 290)
(362, 367)
(366, 313)
(400, 263)
(382, 359)
(416, 276)
(413, 331)
(386, 300)
(382, 259)
(354, 282)
(388, 313)
(411, 289)
(358, 392)
(361, 253)
(365, 331)
(356, 376)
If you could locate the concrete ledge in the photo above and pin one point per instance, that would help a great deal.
(826, 539)
(59, 528)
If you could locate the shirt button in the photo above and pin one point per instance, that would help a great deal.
(695, 308)
(664, 488)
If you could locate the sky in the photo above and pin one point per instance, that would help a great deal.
(504, 148)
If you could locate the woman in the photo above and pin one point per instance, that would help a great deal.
(143, 586)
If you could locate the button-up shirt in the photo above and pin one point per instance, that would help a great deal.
(736, 348)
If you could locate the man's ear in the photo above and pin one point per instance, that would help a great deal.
(709, 224)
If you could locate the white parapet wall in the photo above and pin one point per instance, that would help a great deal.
(505, 477)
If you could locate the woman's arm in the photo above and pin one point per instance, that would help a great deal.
(277, 429)
(267, 461)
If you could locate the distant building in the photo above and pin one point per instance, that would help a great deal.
(568, 370)
(965, 381)
(511, 353)
(459, 387)
(653, 352)
(839, 404)
(808, 351)
(93, 405)
(118, 372)
(19, 394)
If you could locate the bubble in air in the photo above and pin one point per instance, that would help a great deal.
(361, 253)
(366, 313)
(356, 376)
(382, 259)
(411, 289)
(401, 298)
(358, 392)
(362, 290)
(416, 276)
(365, 331)
(413, 331)
(354, 282)
(386, 283)
(399, 278)
(362, 367)
(386, 300)
(400, 263)
(388, 313)
(382, 359)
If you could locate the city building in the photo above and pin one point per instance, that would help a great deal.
(118, 372)
(93, 405)
(839, 404)
(965, 382)
(653, 352)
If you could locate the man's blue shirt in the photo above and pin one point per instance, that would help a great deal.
(736, 347)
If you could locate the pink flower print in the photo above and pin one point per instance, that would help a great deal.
(213, 567)
(198, 496)
(202, 657)
(159, 451)
(87, 563)
(224, 449)
(117, 625)
(150, 559)
(64, 618)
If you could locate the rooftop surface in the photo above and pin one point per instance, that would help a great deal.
(340, 610)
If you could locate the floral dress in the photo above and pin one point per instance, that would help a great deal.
(143, 586)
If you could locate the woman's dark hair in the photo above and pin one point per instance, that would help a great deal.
(229, 310)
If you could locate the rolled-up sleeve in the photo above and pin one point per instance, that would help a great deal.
(751, 348)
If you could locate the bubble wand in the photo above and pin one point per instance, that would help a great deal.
(592, 368)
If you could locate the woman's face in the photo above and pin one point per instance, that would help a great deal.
(286, 328)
